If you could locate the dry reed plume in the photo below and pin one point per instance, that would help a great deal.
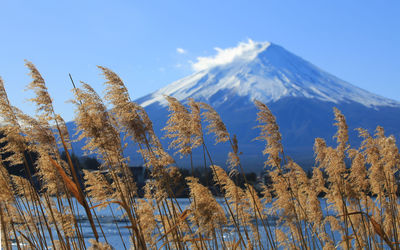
(349, 201)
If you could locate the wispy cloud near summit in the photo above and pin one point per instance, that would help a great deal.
(181, 51)
(243, 51)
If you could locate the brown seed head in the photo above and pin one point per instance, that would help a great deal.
(215, 124)
(269, 133)
(179, 127)
(42, 100)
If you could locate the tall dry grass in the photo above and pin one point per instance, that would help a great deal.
(339, 206)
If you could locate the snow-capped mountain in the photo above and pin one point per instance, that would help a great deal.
(299, 94)
(268, 73)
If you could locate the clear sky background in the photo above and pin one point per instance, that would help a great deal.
(152, 43)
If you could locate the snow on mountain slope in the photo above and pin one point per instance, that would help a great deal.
(262, 71)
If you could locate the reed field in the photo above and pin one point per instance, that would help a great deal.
(349, 202)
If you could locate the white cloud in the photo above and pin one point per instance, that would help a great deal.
(244, 51)
(181, 51)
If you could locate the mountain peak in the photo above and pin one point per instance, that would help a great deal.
(263, 71)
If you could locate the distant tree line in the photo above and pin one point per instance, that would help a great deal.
(205, 177)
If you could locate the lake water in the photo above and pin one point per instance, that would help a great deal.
(108, 225)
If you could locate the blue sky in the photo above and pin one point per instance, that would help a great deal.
(152, 43)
